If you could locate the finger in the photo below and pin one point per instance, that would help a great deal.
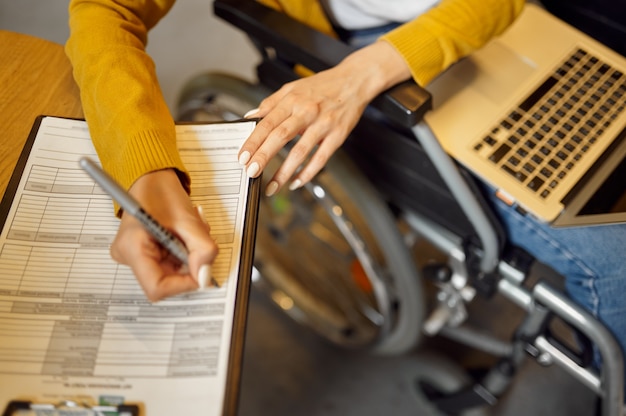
(204, 272)
(274, 99)
(296, 157)
(338, 126)
(252, 113)
(157, 274)
(318, 160)
(278, 127)
(158, 282)
(275, 141)
(263, 128)
(258, 136)
(202, 249)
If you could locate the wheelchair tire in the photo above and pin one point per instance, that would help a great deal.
(371, 300)
(215, 96)
(353, 280)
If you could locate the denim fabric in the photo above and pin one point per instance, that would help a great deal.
(363, 37)
(592, 260)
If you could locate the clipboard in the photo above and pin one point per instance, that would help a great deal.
(21, 405)
(67, 408)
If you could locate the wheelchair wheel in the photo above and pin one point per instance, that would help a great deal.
(329, 254)
(334, 259)
(216, 96)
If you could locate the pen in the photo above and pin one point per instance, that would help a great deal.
(130, 205)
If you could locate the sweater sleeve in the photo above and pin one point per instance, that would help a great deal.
(450, 31)
(129, 121)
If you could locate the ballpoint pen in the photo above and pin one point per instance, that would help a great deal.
(130, 205)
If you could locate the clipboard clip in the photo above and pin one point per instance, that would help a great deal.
(67, 408)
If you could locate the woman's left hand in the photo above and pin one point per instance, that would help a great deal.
(322, 109)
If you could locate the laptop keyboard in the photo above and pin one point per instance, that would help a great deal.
(541, 140)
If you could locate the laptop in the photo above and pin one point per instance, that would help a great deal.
(539, 114)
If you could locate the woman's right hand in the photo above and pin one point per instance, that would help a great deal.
(161, 195)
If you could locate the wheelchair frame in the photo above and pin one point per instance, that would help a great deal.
(478, 259)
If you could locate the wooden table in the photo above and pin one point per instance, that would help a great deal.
(35, 78)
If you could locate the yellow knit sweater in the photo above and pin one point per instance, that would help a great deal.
(129, 121)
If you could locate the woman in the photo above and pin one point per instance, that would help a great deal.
(133, 131)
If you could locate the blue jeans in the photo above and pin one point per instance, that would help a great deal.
(362, 37)
(592, 260)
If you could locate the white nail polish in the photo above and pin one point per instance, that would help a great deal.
(203, 276)
(251, 113)
(271, 188)
(244, 157)
(295, 185)
(253, 169)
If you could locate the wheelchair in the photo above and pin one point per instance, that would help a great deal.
(339, 254)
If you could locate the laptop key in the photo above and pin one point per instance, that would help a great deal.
(538, 93)
(500, 153)
(529, 168)
(535, 183)
(517, 175)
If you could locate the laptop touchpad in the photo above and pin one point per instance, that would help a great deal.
(494, 71)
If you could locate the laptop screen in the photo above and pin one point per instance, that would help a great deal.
(610, 197)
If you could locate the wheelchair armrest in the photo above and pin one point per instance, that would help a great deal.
(405, 103)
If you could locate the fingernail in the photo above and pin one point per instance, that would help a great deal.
(295, 185)
(244, 157)
(200, 211)
(253, 169)
(203, 276)
(251, 113)
(271, 188)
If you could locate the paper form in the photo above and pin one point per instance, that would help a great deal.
(75, 323)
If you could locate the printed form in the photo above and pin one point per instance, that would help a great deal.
(73, 323)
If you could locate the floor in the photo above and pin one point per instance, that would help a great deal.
(288, 370)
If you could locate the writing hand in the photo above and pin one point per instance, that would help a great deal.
(163, 197)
